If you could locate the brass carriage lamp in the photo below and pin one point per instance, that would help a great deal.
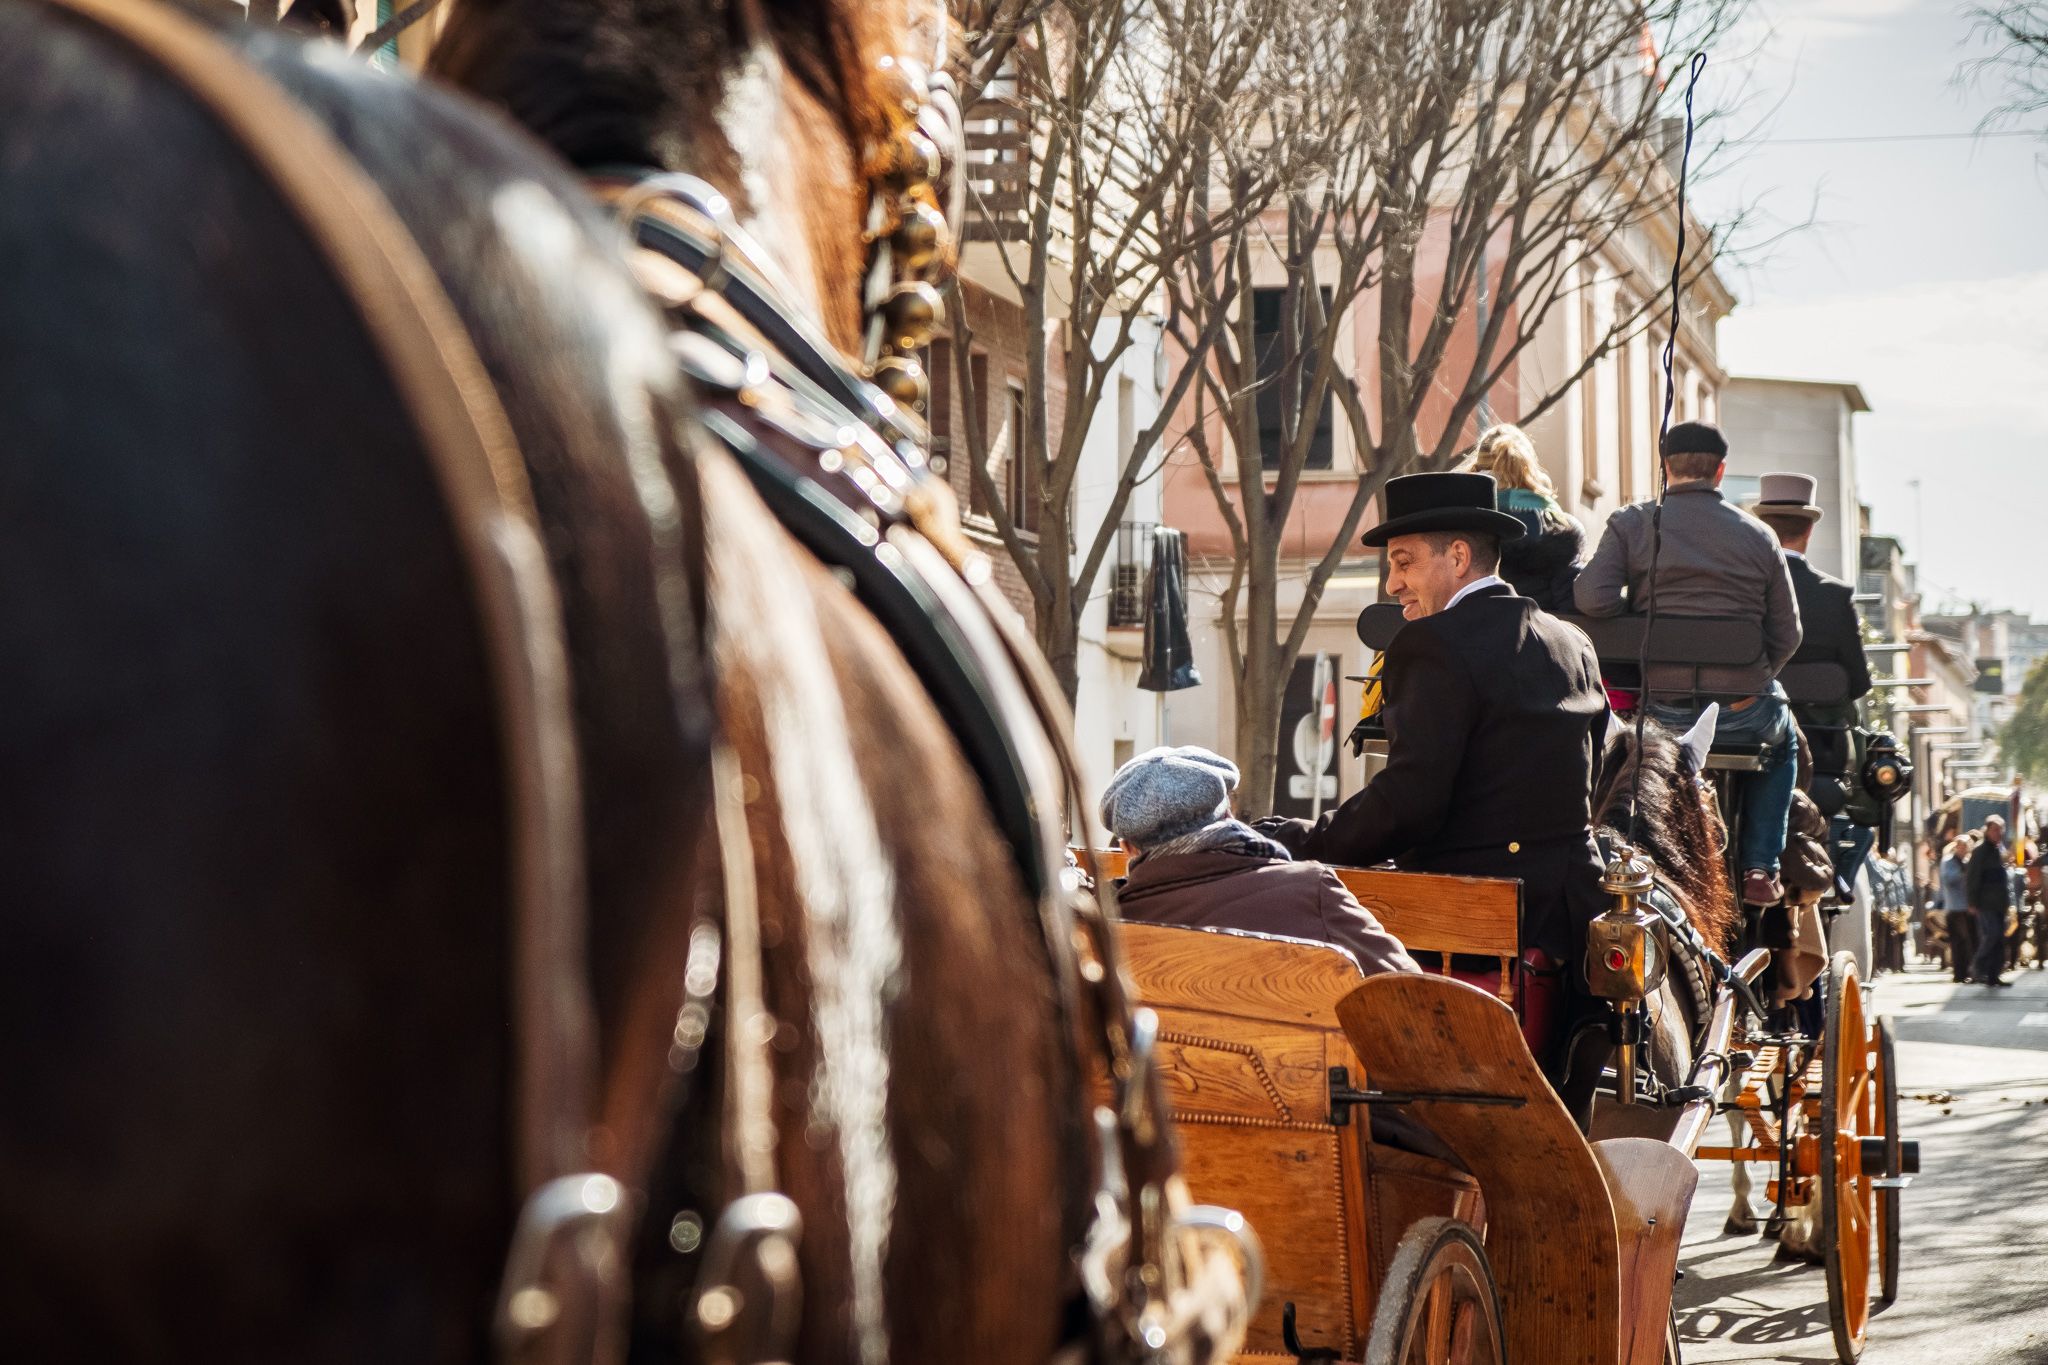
(1625, 960)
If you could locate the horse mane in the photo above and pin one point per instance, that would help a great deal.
(1675, 828)
(609, 82)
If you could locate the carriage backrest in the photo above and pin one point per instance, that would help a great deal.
(1693, 641)
(1248, 1038)
(1435, 916)
(1711, 641)
(1820, 683)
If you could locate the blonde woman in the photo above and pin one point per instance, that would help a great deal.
(1542, 564)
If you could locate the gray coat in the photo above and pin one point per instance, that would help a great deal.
(1714, 559)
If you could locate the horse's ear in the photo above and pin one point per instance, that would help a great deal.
(1700, 738)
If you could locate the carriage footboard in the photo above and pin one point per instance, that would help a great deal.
(1651, 1185)
(1550, 1231)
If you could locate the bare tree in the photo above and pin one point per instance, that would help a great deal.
(2018, 31)
(1481, 165)
(1118, 106)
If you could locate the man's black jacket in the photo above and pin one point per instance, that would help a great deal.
(1989, 878)
(1496, 722)
(1833, 632)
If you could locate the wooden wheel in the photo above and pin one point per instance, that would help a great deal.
(1439, 1304)
(1888, 1199)
(1850, 1110)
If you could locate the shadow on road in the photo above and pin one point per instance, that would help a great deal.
(1975, 1262)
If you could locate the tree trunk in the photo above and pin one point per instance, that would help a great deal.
(1260, 691)
(1059, 617)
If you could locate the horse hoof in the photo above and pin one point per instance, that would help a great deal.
(1738, 1227)
(1788, 1251)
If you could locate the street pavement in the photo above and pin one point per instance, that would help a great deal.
(1973, 1072)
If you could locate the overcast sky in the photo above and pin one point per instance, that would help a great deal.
(1924, 278)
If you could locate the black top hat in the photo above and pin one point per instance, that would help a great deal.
(1441, 502)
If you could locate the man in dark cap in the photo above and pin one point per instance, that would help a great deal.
(1711, 559)
(1495, 719)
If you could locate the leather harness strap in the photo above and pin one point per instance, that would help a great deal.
(844, 470)
(477, 465)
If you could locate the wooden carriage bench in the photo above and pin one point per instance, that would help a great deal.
(1436, 917)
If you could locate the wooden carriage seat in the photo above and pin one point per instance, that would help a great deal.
(1434, 916)
(1248, 1035)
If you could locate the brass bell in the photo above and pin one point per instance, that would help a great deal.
(910, 159)
(919, 238)
(909, 315)
(903, 379)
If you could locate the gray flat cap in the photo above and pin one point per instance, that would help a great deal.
(1165, 793)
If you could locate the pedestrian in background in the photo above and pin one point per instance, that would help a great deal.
(1990, 888)
(1957, 917)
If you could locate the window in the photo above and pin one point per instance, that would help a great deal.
(1276, 339)
(1625, 413)
(1126, 418)
(1026, 478)
(937, 360)
(1653, 388)
(974, 411)
(1589, 401)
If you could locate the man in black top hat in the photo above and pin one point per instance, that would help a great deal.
(1495, 718)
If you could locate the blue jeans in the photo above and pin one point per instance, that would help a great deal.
(1761, 841)
(1853, 843)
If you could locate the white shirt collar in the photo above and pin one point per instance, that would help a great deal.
(1492, 580)
(1795, 554)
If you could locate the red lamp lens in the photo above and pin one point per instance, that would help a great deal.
(1616, 959)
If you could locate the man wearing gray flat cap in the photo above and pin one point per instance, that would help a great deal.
(1195, 865)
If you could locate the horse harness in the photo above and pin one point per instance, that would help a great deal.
(841, 465)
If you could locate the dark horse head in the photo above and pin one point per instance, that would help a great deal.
(780, 103)
(1677, 824)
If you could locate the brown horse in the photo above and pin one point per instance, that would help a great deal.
(302, 706)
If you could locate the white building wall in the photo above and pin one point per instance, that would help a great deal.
(1113, 719)
(1787, 426)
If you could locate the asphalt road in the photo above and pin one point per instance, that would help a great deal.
(1973, 1072)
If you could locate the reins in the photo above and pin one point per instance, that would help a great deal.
(1697, 65)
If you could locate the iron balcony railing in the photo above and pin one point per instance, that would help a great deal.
(1127, 575)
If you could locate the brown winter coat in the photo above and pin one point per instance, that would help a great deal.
(1262, 895)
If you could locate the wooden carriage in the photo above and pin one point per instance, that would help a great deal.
(1524, 1241)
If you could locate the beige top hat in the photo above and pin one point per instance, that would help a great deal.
(1786, 495)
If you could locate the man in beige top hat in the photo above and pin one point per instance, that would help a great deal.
(1831, 630)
